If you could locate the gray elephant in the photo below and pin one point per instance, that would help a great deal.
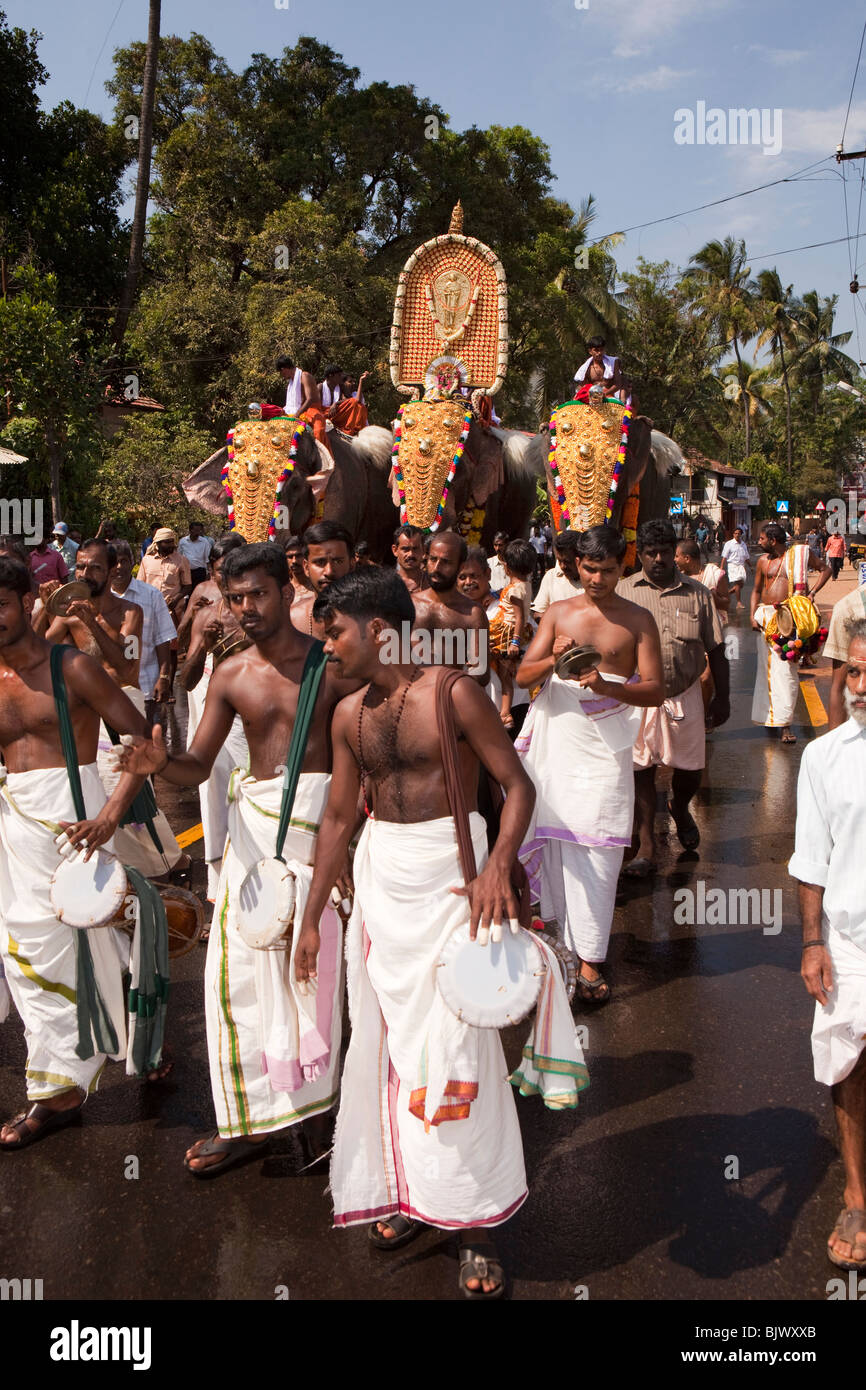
(352, 486)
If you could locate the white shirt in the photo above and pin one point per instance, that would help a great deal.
(537, 543)
(197, 552)
(851, 606)
(737, 551)
(498, 577)
(554, 586)
(156, 627)
(830, 837)
(710, 576)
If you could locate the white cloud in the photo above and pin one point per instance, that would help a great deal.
(779, 57)
(658, 80)
(648, 23)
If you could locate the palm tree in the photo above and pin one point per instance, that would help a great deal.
(778, 310)
(577, 304)
(142, 184)
(718, 277)
(818, 355)
(752, 391)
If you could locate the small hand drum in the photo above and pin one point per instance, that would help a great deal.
(575, 661)
(568, 961)
(491, 986)
(88, 894)
(184, 917)
(266, 906)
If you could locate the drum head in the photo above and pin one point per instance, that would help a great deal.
(575, 661)
(266, 906)
(490, 986)
(185, 917)
(88, 895)
(784, 621)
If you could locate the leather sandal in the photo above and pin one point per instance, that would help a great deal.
(850, 1221)
(480, 1260)
(47, 1119)
(234, 1152)
(404, 1228)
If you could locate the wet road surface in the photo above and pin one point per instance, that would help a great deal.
(701, 1164)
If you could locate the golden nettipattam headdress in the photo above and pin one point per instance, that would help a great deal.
(261, 455)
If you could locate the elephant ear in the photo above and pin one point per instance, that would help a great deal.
(484, 453)
(204, 488)
(638, 453)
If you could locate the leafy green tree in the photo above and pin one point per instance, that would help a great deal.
(47, 367)
(776, 309)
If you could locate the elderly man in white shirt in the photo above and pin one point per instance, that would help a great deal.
(158, 631)
(562, 581)
(828, 862)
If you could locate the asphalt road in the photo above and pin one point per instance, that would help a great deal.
(701, 1164)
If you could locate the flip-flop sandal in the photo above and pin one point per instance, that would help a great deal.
(234, 1151)
(687, 831)
(599, 990)
(480, 1260)
(639, 868)
(47, 1119)
(851, 1220)
(404, 1228)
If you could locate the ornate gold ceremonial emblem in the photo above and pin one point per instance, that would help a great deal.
(429, 442)
(586, 444)
(260, 458)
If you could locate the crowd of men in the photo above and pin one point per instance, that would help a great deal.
(306, 664)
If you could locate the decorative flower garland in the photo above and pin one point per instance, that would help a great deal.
(617, 468)
(300, 428)
(458, 332)
(793, 648)
(470, 523)
(398, 472)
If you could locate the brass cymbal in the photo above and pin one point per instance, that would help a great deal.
(575, 661)
(58, 602)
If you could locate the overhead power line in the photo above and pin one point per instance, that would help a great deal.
(853, 83)
(732, 197)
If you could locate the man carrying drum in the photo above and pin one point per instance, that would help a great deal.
(274, 1050)
(39, 951)
(428, 1131)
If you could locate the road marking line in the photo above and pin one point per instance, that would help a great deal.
(814, 704)
(189, 837)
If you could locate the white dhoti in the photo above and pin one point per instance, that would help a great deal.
(38, 951)
(428, 1124)
(577, 748)
(213, 793)
(839, 1027)
(777, 681)
(274, 1054)
(132, 843)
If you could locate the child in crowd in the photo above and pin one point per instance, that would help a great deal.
(510, 626)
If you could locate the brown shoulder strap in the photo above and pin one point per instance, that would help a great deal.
(448, 676)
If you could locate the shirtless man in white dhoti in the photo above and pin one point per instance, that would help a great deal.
(779, 573)
(577, 745)
(827, 861)
(212, 622)
(36, 805)
(109, 628)
(427, 1132)
(263, 1079)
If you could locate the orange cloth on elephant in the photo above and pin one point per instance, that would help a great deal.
(350, 415)
(316, 417)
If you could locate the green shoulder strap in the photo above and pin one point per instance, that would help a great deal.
(67, 733)
(311, 679)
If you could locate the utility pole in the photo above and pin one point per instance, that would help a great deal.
(142, 183)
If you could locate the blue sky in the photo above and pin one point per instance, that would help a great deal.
(600, 85)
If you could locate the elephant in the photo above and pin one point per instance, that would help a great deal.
(652, 459)
(353, 486)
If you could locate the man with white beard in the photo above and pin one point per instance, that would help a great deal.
(827, 861)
